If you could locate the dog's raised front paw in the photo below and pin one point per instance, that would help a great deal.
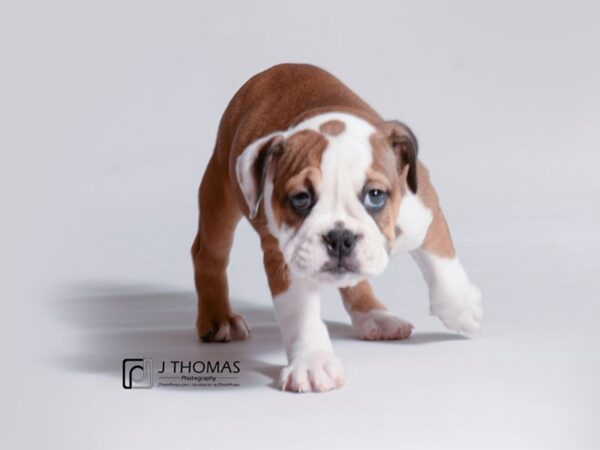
(379, 324)
(232, 328)
(319, 372)
(459, 312)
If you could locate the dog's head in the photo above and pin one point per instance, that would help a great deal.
(331, 189)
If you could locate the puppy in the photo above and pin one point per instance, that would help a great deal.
(333, 191)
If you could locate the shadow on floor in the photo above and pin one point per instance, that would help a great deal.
(116, 322)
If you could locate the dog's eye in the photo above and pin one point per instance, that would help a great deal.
(301, 202)
(375, 199)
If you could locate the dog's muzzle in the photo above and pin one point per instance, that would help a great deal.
(340, 244)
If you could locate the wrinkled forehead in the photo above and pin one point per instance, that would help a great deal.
(334, 151)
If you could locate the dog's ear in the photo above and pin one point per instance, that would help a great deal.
(404, 143)
(252, 167)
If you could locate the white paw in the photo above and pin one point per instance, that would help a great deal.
(379, 324)
(459, 312)
(319, 372)
(231, 329)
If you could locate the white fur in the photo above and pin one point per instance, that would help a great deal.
(379, 324)
(312, 364)
(453, 298)
(344, 165)
(243, 172)
(413, 220)
(235, 329)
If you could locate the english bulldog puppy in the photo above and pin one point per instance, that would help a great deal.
(333, 191)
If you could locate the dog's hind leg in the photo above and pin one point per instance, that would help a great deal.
(219, 216)
(371, 319)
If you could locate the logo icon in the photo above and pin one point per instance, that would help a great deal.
(137, 373)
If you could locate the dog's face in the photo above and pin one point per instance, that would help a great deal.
(331, 190)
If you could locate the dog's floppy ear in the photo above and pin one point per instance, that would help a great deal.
(404, 143)
(252, 167)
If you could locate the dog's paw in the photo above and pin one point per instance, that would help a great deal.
(461, 313)
(232, 328)
(379, 324)
(319, 372)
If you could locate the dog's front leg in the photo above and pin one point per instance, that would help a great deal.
(312, 365)
(452, 296)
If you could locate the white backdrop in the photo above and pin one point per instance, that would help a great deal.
(109, 112)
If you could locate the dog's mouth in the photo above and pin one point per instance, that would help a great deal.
(340, 267)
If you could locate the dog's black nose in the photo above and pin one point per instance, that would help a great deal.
(340, 242)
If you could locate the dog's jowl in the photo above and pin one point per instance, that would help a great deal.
(333, 191)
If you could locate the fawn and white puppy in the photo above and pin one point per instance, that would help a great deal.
(333, 191)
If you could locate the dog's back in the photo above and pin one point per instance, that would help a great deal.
(280, 97)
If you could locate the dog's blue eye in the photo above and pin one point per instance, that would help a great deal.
(301, 202)
(375, 199)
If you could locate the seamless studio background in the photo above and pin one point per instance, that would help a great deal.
(109, 112)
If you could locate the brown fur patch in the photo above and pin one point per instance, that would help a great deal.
(383, 174)
(296, 169)
(361, 298)
(277, 271)
(332, 127)
(438, 239)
